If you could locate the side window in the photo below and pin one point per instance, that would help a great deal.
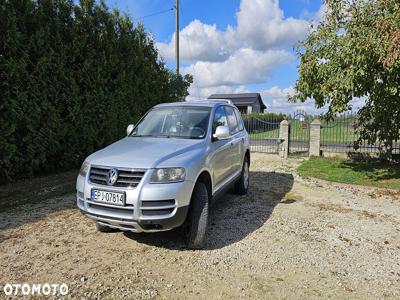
(219, 118)
(239, 119)
(233, 123)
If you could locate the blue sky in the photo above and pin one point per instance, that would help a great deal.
(232, 45)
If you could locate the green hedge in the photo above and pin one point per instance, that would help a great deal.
(262, 122)
(72, 76)
(279, 116)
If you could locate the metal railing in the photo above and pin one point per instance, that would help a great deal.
(340, 135)
(263, 133)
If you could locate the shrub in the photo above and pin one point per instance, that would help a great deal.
(262, 122)
(72, 76)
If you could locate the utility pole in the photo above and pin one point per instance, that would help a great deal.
(177, 36)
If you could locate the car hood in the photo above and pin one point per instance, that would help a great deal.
(146, 152)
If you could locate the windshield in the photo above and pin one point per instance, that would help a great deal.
(174, 121)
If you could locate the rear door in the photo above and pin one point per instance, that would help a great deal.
(236, 147)
(242, 135)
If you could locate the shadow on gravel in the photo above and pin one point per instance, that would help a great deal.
(233, 217)
(29, 213)
(29, 200)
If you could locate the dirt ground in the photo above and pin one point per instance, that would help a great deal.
(289, 238)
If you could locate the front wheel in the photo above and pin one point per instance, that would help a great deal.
(242, 186)
(198, 217)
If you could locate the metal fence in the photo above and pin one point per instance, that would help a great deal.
(337, 136)
(263, 133)
(340, 134)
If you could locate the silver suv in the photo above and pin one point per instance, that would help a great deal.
(166, 172)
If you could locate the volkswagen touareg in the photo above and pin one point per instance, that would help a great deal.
(168, 170)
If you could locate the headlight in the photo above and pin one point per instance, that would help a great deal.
(84, 168)
(166, 175)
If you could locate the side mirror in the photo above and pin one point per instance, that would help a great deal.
(221, 133)
(129, 129)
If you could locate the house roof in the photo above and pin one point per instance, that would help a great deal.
(241, 99)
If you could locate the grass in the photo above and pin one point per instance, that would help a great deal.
(265, 134)
(37, 189)
(341, 133)
(368, 173)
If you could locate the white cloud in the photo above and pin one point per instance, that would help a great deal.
(321, 14)
(261, 25)
(242, 67)
(358, 102)
(315, 17)
(276, 100)
(248, 52)
(198, 41)
(204, 93)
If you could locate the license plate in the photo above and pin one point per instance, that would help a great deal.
(114, 198)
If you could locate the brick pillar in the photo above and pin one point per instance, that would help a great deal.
(284, 134)
(315, 138)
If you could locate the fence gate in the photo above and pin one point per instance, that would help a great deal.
(299, 133)
(263, 133)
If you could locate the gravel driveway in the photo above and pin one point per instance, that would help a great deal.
(288, 238)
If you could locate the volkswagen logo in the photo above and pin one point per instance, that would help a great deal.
(112, 176)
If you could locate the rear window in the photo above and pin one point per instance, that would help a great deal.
(239, 119)
(232, 121)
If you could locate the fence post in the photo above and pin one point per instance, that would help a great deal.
(284, 134)
(315, 138)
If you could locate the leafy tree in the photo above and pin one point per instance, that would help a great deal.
(355, 52)
(72, 76)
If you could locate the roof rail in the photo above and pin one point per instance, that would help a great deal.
(212, 100)
(221, 100)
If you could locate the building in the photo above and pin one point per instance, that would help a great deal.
(245, 102)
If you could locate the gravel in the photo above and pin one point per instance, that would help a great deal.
(288, 238)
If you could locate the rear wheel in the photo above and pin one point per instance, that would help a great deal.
(196, 227)
(102, 228)
(242, 186)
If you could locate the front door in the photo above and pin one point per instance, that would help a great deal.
(221, 149)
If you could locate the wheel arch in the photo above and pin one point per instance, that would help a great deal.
(247, 155)
(205, 177)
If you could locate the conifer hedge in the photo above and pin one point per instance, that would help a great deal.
(72, 76)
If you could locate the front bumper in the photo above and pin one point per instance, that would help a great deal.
(149, 207)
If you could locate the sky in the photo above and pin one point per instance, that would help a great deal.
(232, 46)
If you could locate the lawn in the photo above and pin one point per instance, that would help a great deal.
(341, 133)
(369, 173)
(265, 134)
(37, 189)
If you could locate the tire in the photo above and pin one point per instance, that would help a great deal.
(102, 228)
(242, 185)
(197, 222)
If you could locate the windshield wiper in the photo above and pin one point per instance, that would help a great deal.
(163, 135)
(140, 135)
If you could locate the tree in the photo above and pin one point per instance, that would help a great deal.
(355, 52)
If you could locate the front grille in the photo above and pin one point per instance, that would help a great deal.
(126, 177)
